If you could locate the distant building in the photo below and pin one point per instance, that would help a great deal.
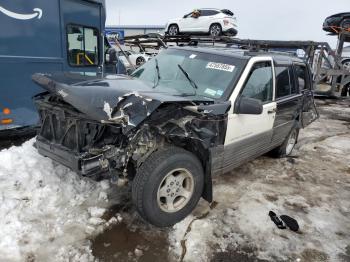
(120, 31)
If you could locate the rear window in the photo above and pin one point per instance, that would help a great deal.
(302, 77)
(227, 12)
(284, 82)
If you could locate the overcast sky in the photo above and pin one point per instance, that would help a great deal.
(257, 19)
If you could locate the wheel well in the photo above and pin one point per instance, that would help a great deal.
(203, 155)
(345, 60)
(172, 24)
(216, 23)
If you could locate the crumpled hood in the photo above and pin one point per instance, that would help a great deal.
(112, 99)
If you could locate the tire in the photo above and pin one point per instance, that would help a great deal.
(287, 147)
(215, 30)
(152, 186)
(140, 60)
(173, 30)
(345, 24)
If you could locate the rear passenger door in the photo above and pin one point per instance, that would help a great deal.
(204, 21)
(249, 136)
(305, 85)
(288, 102)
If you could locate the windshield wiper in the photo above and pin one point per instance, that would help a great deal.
(158, 74)
(193, 84)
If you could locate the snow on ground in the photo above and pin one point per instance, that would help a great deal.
(47, 212)
(313, 186)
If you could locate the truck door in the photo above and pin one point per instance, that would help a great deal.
(83, 27)
(308, 110)
(249, 136)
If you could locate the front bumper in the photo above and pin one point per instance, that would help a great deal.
(80, 163)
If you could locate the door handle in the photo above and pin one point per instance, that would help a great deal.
(272, 111)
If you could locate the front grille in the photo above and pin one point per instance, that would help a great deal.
(66, 127)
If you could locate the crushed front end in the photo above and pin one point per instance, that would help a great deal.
(104, 129)
(70, 138)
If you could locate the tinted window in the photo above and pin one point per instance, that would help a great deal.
(302, 77)
(283, 82)
(82, 46)
(259, 83)
(208, 12)
(227, 12)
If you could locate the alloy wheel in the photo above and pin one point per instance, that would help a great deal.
(175, 190)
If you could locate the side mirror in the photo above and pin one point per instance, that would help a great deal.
(248, 106)
(111, 56)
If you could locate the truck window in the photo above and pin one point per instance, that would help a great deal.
(259, 83)
(302, 77)
(82, 45)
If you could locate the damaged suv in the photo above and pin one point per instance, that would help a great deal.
(180, 118)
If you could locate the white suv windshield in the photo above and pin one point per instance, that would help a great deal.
(211, 74)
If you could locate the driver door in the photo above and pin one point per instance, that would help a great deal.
(249, 136)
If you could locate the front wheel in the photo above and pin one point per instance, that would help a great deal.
(173, 30)
(215, 30)
(168, 186)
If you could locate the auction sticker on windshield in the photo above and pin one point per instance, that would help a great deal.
(220, 66)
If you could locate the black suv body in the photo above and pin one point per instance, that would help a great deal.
(183, 116)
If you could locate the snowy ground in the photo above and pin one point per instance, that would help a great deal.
(47, 212)
(50, 214)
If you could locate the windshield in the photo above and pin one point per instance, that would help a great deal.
(191, 73)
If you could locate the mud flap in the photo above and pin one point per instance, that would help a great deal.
(309, 111)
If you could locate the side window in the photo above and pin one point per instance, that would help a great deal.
(208, 12)
(282, 82)
(259, 83)
(302, 77)
(82, 46)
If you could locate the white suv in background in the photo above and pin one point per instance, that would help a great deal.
(207, 20)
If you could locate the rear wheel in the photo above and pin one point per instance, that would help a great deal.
(168, 186)
(288, 145)
(173, 30)
(215, 30)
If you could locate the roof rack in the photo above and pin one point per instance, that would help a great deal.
(324, 61)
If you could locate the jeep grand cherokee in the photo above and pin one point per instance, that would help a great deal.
(182, 117)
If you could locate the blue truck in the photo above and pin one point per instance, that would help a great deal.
(45, 36)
